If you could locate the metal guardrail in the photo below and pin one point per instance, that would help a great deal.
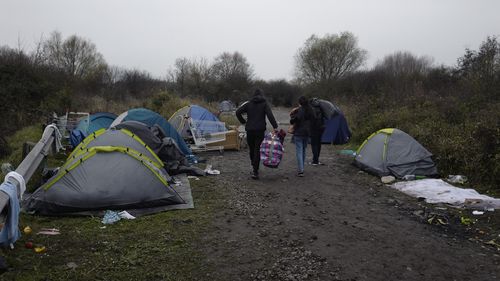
(31, 162)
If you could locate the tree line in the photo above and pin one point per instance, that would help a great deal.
(452, 110)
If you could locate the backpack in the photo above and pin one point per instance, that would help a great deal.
(318, 117)
(271, 150)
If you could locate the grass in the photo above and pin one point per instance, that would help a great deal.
(163, 246)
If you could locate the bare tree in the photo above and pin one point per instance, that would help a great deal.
(404, 63)
(328, 58)
(229, 66)
(233, 75)
(75, 56)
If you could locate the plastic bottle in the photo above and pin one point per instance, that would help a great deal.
(409, 177)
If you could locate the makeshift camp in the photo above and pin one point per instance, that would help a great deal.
(110, 170)
(151, 118)
(392, 151)
(198, 125)
(90, 124)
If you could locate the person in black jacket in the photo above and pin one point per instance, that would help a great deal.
(301, 120)
(317, 129)
(256, 109)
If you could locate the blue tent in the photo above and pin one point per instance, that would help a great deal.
(89, 125)
(151, 118)
(337, 131)
(203, 120)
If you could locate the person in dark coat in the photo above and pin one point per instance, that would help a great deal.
(256, 109)
(316, 130)
(301, 120)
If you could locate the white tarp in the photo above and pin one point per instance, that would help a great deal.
(439, 191)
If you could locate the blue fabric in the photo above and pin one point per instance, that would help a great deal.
(199, 113)
(76, 137)
(10, 231)
(95, 122)
(300, 151)
(152, 118)
(336, 130)
(89, 125)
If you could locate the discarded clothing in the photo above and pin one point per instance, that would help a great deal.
(10, 232)
(22, 183)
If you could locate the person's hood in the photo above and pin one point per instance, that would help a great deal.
(258, 98)
(314, 102)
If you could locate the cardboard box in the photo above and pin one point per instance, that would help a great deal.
(232, 141)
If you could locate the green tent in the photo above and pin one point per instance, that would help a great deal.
(394, 152)
(111, 169)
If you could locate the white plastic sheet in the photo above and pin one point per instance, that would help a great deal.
(439, 191)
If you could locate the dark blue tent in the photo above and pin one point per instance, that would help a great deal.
(89, 125)
(151, 118)
(337, 131)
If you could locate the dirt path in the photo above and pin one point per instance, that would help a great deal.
(336, 223)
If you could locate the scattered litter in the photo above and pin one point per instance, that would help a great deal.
(27, 230)
(412, 177)
(493, 243)
(49, 231)
(126, 215)
(466, 221)
(457, 179)
(348, 152)
(28, 245)
(71, 265)
(477, 213)
(210, 171)
(437, 219)
(110, 217)
(388, 179)
(102, 227)
(40, 249)
(194, 177)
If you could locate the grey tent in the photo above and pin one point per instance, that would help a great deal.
(226, 106)
(165, 147)
(392, 151)
(111, 169)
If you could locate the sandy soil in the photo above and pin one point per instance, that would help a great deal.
(336, 223)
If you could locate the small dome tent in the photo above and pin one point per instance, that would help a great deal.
(226, 106)
(111, 169)
(199, 117)
(392, 151)
(87, 126)
(151, 118)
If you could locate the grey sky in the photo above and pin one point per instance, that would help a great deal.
(150, 35)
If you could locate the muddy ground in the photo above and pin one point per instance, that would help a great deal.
(336, 223)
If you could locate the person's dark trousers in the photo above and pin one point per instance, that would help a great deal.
(254, 139)
(316, 148)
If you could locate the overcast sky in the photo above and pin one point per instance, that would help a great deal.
(150, 35)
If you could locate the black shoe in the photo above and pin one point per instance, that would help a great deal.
(300, 174)
(255, 175)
